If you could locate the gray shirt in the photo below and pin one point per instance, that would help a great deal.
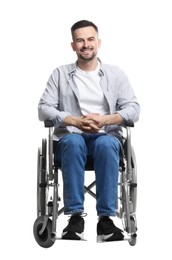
(61, 98)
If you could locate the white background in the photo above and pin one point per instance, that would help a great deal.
(35, 38)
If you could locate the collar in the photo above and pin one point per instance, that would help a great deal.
(74, 67)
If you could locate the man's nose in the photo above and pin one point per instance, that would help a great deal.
(86, 44)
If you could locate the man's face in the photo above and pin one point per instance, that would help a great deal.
(85, 43)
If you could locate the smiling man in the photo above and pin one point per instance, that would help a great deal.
(88, 101)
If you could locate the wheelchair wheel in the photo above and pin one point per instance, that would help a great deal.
(133, 240)
(45, 239)
(133, 186)
(129, 191)
(133, 199)
(42, 179)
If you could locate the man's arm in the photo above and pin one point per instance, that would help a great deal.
(49, 102)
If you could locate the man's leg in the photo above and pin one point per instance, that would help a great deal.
(71, 153)
(106, 162)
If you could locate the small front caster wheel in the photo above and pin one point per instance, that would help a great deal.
(133, 240)
(45, 239)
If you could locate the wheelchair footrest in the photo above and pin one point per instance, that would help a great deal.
(63, 239)
(126, 238)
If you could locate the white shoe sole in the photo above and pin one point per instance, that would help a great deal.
(103, 238)
(73, 235)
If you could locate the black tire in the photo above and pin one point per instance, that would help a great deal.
(42, 179)
(45, 239)
(43, 192)
(39, 167)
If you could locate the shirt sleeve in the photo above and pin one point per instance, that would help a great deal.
(48, 107)
(127, 104)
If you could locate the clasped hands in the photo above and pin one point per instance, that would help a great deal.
(91, 123)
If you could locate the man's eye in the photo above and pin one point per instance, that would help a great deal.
(79, 40)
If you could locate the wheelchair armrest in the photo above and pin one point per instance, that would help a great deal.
(48, 123)
(128, 123)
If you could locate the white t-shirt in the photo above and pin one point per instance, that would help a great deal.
(91, 97)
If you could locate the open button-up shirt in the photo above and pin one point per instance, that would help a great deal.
(60, 98)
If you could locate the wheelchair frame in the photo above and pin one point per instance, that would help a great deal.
(44, 228)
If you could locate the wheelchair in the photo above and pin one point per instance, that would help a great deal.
(48, 198)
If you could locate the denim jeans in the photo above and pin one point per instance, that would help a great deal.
(71, 152)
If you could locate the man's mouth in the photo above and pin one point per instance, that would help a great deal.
(85, 50)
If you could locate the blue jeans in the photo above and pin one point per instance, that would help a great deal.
(71, 152)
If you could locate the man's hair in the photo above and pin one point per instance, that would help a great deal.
(81, 24)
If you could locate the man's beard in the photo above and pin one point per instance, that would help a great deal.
(86, 58)
(83, 57)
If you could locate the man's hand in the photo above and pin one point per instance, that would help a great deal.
(102, 120)
(83, 123)
(99, 120)
(92, 123)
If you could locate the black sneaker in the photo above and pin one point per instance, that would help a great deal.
(107, 231)
(75, 228)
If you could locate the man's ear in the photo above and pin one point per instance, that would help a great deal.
(72, 45)
(99, 43)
